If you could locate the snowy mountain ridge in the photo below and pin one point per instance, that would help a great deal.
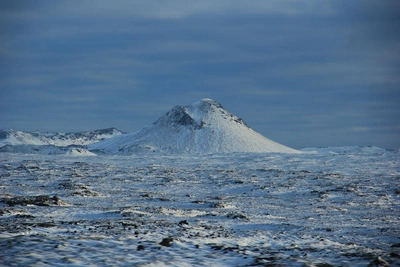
(14, 138)
(203, 127)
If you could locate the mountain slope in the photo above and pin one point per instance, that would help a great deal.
(13, 138)
(204, 127)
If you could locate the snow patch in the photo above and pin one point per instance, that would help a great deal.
(80, 152)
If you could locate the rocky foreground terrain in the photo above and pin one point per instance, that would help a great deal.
(329, 207)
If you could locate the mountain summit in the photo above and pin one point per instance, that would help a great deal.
(203, 127)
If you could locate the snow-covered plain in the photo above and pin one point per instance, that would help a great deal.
(324, 207)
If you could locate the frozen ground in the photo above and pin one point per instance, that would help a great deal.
(330, 207)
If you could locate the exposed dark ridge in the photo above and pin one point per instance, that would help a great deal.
(4, 134)
(210, 102)
(241, 121)
(208, 105)
(107, 131)
(186, 120)
(179, 116)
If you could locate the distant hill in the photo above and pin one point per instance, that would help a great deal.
(16, 138)
(204, 127)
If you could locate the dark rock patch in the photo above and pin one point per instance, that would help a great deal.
(184, 222)
(236, 216)
(378, 262)
(167, 242)
(85, 193)
(24, 216)
(217, 247)
(34, 200)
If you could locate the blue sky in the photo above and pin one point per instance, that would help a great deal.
(302, 73)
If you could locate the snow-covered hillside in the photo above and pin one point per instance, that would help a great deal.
(13, 138)
(72, 150)
(79, 152)
(204, 127)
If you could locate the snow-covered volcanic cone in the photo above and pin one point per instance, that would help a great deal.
(204, 127)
